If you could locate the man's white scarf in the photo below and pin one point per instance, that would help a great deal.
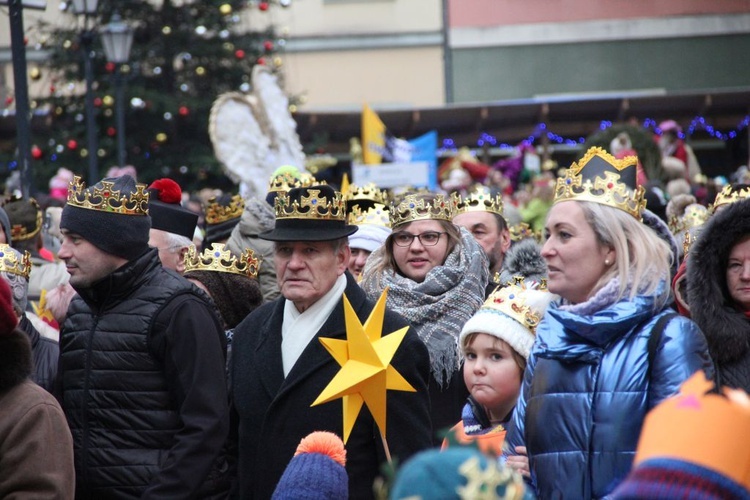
(299, 328)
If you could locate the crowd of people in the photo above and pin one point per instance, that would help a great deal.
(152, 347)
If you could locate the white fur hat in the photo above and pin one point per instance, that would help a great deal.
(511, 314)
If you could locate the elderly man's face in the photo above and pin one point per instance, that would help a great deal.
(171, 256)
(307, 270)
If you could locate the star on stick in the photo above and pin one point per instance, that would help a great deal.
(366, 372)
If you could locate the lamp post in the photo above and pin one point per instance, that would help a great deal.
(117, 38)
(87, 8)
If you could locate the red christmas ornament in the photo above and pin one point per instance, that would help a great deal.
(268, 45)
(25, 40)
(97, 102)
(263, 6)
(36, 152)
(72, 144)
(9, 100)
(111, 131)
(52, 89)
(239, 54)
(110, 67)
(183, 111)
(262, 61)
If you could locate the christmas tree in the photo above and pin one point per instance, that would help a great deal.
(184, 55)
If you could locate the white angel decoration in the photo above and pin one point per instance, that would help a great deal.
(254, 134)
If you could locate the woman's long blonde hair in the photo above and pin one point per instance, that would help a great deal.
(643, 259)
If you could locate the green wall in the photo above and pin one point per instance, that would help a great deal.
(500, 73)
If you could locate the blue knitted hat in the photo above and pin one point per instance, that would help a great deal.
(317, 470)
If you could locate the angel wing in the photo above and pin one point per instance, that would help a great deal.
(240, 136)
(285, 144)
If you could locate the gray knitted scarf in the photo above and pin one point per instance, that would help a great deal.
(438, 307)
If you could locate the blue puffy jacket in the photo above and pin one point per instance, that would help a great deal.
(586, 391)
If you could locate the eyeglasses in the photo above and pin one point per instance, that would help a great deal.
(428, 239)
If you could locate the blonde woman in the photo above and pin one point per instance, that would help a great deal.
(610, 349)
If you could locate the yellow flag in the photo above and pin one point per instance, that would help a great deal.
(373, 136)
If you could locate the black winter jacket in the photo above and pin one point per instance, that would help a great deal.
(144, 387)
(45, 354)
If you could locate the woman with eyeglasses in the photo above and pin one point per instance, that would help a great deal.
(436, 273)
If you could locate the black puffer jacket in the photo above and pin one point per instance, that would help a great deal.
(144, 387)
(727, 329)
(45, 352)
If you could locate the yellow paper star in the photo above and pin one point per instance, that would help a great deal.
(366, 372)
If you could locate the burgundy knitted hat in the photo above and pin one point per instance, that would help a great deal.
(8, 318)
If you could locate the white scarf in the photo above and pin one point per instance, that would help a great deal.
(299, 328)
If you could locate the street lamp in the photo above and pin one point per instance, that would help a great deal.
(117, 38)
(87, 8)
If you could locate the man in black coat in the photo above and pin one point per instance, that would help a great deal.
(143, 358)
(279, 367)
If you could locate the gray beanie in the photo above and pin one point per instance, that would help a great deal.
(120, 234)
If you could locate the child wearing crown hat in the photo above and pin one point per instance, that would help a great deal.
(495, 344)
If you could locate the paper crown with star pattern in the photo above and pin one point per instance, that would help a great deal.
(219, 259)
(313, 213)
(511, 313)
(601, 178)
(10, 262)
(480, 200)
(105, 198)
(415, 207)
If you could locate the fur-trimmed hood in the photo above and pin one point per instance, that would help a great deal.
(727, 330)
(661, 229)
(15, 359)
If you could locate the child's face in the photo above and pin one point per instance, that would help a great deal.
(492, 375)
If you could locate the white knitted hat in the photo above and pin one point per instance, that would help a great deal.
(369, 237)
(511, 314)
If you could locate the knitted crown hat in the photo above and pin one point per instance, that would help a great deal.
(316, 472)
(123, 235)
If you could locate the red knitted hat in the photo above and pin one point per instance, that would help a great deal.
(8, 318)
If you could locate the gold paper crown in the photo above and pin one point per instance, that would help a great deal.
(729, 195)
(480, 200)
(413, 207)
(17, 231)
(522, 230)
(368, 192)
(607, 190)
(217, 213)
(702, 428)
(219, 259)
(511, 300)
(286, 181)
(376, 215)
(695, 215)
(107, 199)
(10, 262)
(313, 206)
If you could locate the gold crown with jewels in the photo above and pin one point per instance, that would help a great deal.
(522, 230)
(511, 300)
(601, 178)
(216, 213)
(423, 207)
(219, 259)
(108, 199)
(286, 181)
(11, 263)
(695, 215)
(19, 232)
(368, 192)
(730, 194)
(480, 200)
(376, 216)
(313, 206)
